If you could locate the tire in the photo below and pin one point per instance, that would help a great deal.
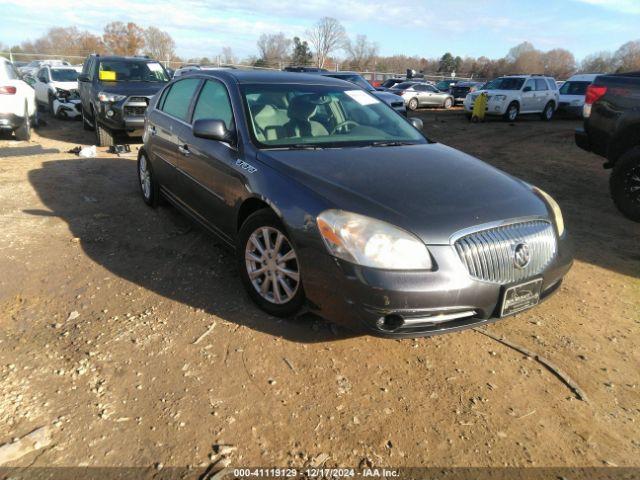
(86, 125)
(413, 104)
(149, 188)
(512, 112)
(51, 112)
(251, 240)
(547, 113)
(448, 103)
(624, 184)
(104, 138)
(23, 132)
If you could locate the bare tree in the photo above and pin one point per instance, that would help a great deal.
(274, 48)
(519, 50)
(159, 44)
(327, 36)
(227, 56)
(528, 61)
(123, 39)
(362, 52)
(559, 63)
(627, 57)
(601, 62)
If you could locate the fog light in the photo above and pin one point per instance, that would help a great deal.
(109, 113)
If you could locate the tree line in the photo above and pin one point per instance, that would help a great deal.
(327, 45)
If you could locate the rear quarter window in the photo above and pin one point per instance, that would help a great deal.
(178, 99)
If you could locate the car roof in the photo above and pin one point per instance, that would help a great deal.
(272, 76)
(123, 57)
(584, 77)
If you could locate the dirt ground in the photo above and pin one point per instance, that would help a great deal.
(103, 301)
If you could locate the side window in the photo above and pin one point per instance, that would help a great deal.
(10, 71)
(177, 100)
(42, 75)
(552, 84)
(163, 96)
(431, 88)
(531, 84)
(85, 66)
(91, 68)
(214, 102)
(541, 85)
(420, 88)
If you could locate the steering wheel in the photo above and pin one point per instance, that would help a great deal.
(341, 125)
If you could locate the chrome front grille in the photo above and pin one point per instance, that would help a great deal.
(490, 254)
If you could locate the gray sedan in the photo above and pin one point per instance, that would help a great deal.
(419, 94)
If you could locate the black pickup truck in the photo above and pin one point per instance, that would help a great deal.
(612, 130)
(115, 92)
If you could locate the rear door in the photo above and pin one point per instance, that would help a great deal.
(167, 124)
(212, 179)
(41, 86)
(543, 94)
(84, 88)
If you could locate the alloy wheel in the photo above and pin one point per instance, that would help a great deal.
(632, 185)
(272, 265)
(145, 177)
(513, 113)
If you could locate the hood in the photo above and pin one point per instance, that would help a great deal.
(65, 85)
(132, 88)
(386, 97)
(431, 190)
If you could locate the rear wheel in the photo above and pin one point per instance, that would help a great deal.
(512, 112)
(625, 184)
(448, 103)
(23, 132)
(269, 265)
(413, 104)
(148, 185)
(547, 113)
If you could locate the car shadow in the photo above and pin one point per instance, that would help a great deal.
(6, 152)
(157, 249)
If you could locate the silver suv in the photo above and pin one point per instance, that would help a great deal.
(513, 95)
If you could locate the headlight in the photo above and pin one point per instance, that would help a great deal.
(107, 97)
(555, 209)
(371, 243)
(499, 98)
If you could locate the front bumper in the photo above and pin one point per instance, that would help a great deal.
(121, 116)
(430, 303)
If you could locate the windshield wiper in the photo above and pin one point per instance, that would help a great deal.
(304, 146)
(390, 143)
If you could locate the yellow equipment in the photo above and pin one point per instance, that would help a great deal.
(479, 108)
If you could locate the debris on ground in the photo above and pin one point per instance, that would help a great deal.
(39, 438)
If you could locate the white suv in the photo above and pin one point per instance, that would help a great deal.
(513, 95)
(18, 112)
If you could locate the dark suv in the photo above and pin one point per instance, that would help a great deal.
(115, 92)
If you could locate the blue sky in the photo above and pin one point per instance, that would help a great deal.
(414, 27)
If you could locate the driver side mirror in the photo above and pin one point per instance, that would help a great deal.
(83, 77)
(417, 123)
(527, 89)
(212, 129)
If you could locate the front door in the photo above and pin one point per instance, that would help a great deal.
(529, 100)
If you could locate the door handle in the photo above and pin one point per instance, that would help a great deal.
(152, 130)
(184, 150)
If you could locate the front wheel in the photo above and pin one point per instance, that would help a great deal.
(413, 104)
(104, 138)
(547, 113)
(269, 265)
(625, 184)
(448, 103)
(512, 112)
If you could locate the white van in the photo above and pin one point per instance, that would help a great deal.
(572, 93)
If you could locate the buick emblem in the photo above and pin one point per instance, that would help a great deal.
(521, 255)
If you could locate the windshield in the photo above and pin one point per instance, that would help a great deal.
(132, 71)
(300, 116)
(505, 83)
(574, 88)
(444, 85)
(64, 75)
